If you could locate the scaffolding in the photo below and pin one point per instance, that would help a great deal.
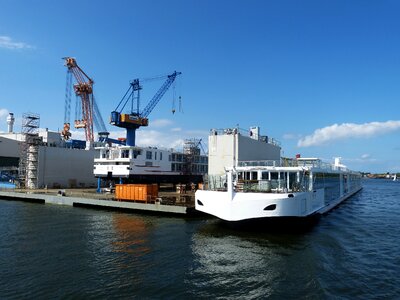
(191, 150)
(29, 151)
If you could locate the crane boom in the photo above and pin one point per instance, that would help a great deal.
(160, 93)
(135, 119)
(90, 111)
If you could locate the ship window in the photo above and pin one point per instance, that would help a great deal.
(319, 181)
(155, 155)
(292, 180)
(270, 207)
(253, 175)
(274, 175)
(149, 154)
(148, 164)
(125, 154)
(136, 153)
(160, 155)
(264, 175)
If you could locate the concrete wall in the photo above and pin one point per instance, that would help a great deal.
(252, 149)
(225, 150)
(62, 167)
(58, 167)
(222, 153)
(9, 147)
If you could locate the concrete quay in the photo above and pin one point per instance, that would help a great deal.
(99, 201)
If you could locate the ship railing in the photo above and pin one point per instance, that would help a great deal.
(215, 182)
(288, 162)
(219, 183)
(260, 163)
(268, 186)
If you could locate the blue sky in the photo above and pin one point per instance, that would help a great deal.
(320, 76)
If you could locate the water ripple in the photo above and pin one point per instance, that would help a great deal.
(63, 252)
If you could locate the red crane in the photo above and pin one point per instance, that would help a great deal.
(84, 90)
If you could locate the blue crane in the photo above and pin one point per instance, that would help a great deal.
(135, 119)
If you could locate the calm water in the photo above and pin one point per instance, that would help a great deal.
(63, 252)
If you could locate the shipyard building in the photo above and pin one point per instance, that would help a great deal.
(36, 158)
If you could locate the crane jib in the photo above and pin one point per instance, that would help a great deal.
(136, 119)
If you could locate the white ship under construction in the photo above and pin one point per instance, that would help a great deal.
(151, 164)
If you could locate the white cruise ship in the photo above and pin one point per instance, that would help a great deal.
(266, 186)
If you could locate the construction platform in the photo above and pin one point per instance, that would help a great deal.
(168, 203)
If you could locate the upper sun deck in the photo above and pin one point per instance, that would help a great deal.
(291, 164)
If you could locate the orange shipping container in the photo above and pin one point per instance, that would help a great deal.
(136, 192)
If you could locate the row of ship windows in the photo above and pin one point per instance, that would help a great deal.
(150, 155)
(193, 168)
(175, 167)
(159, 156)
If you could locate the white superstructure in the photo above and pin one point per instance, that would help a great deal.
(133, 163)
(228, 146)
(280, 187)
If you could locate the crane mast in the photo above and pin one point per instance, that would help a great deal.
(136, 119)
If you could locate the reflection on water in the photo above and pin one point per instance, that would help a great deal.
(228, 258)
(131, 235)
(63, 252)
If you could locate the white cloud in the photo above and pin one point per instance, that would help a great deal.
(158, 139)
(3, 116)
(3, 113)
(364, 158)
(347, 130)
(176, 129)
(7, 43)
(198, 133)
(117, 134)
(394, 169)
(163, 138)
(78, 134)
(291, 136)
(160, 123)
(360, 160)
